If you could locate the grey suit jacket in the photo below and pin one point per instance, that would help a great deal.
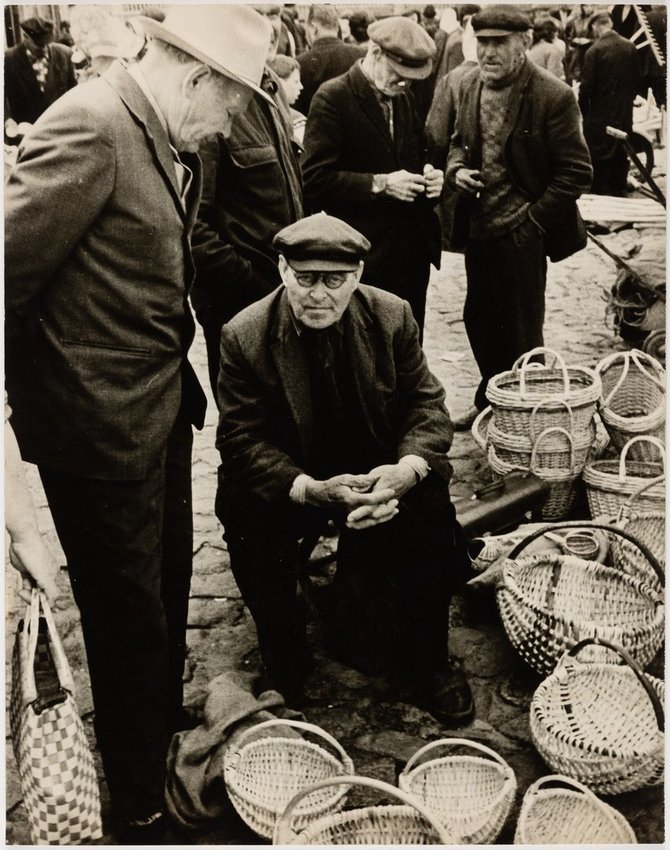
(96, 277)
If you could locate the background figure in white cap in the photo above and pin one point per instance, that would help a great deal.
(103, 35)
(365, 160)
(99, 211)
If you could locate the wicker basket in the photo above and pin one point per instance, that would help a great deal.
(601, 723)
(266, 769)
(646, 525)
(515, 394)
(472, 796)
(569, 815)
(549, 602)
(610, 483)
(633, 400)
(409, 823)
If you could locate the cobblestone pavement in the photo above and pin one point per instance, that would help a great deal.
(378, 731)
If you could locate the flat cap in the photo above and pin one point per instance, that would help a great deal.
(407, 46)
(321, 242)
(499, 21)
(39, 29)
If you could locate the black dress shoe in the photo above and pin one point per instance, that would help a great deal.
(447, 696)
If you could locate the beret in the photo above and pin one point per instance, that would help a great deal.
(37, 28)
(407, 46)
(499, 21)
(321, 242)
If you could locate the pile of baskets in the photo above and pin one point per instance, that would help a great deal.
(541, 420)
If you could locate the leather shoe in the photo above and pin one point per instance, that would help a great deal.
(464, 422)
(447, 696)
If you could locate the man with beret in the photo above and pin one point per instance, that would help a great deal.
(99, 212)
(37, 72)
(328, 412)
(518, 161)
(365, 160)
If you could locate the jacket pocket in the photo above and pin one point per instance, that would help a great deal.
(251, 157)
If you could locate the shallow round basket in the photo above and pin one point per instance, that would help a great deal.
(610, 483)
(580, 730)
(549, 602)
(266, 769)
(409, 823)
(472, 796)
(647, 526)
(514, 395)
(568, 814)
(633, 400)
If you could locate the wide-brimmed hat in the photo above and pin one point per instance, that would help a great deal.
(321, 242)
(233, 40)
(39, 29)
(407, 46)
(499, 21)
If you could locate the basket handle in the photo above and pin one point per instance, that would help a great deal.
(641, 438)
(635, 667)
(550, 401)
(477, 427)
(449, 742)
(294, 724)
(283, 830)
(543, 435)
(646, 486)
(522, 364)
(627, 357)
(603, 527)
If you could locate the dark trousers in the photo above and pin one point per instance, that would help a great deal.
(393, 583)
(129, 549)
(610, 176)
(504, 305)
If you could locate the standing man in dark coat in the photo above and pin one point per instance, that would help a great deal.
(611, 78)
(37, 72)
(328, 56)
(519, 161)
(329, 411)
(99, 211)
(365, 160)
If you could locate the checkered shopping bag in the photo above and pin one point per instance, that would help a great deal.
(58, 780)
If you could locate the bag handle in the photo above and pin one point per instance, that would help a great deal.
(39, 601)
(574, 651)
(252, 731)
(652, 482)
(450, 742)
(544, 402)
(477, 427)
(641, 438)
(522, 365)
(284, 833)
(635, 355)
(613, 529)
(533, 454)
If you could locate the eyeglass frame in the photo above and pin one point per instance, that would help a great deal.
(324, 276)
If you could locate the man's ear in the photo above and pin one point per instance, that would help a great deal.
(283, 267)
(359, 272)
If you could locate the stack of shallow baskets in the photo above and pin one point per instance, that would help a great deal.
(541, 420)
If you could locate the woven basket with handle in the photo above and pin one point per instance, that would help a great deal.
(601, 723)
(647, 525)
(470, 794)
(411, 822)
(568, 813)
(550, 602)
(266, 769)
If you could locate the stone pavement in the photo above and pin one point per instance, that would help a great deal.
(378, 731)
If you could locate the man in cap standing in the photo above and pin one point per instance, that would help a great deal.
(519, 162)
(37, 72)
(365, 160)
(99, 211)
(328, 411)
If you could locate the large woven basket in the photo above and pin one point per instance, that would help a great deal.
(568, 814)
(633, 399)
(610, 483)
(601, 723)
(409, 823)
(472, 796)
(514, 395)
(550, 602)
(648, 526)
(266, 769)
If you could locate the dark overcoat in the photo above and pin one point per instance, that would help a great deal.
(23, 96)
(327, 58)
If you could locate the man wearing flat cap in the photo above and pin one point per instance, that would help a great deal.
(99, 212)
(518, 161)
(328, 412)
(37, 72)
(365, 160)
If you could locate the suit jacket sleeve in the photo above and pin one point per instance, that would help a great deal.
(64, 178)
(457, 156)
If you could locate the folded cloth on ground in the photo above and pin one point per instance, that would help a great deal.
(195, 792)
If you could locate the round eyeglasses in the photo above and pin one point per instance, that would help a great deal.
(332, 280)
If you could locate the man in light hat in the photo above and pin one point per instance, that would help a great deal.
(365, 160)
(37, 72)
(328, 411)
(518, 161)
(99, 211)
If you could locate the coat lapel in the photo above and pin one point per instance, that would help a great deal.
(25, 70)
(370, 105)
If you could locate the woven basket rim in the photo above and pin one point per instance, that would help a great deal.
(625, 829)
(588, 393)
(337, 818)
